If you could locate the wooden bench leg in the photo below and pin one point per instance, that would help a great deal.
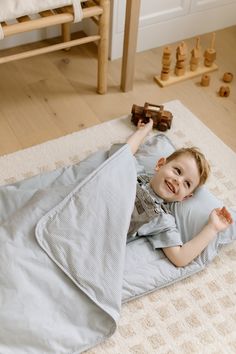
(103, 47)
(65, 32)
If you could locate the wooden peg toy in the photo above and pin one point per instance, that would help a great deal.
(228, 77)
(224, 91)
(181, 56)
(195, 56)
(182, 71)
(205, 80)
(166, 61)
(210, 53)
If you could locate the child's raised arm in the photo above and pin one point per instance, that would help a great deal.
(180, 256)
(137, 137)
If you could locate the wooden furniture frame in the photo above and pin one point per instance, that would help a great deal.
(96, 10)
(130, 43)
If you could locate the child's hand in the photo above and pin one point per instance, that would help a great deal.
(136, 138)
(145, 126)
(220, 219)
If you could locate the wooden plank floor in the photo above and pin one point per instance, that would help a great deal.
(52, 95)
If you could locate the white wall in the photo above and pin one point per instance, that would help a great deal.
(166, 21)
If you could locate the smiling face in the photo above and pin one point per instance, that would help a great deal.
(175, 180)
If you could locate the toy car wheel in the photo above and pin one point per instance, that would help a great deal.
(162, 127)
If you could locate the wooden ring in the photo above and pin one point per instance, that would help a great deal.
(228, 77)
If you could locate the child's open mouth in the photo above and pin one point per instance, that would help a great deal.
(170, 187)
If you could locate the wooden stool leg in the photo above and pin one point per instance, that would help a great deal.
(103, 47)
(65, 32)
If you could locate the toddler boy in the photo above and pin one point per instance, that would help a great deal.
(175, 179)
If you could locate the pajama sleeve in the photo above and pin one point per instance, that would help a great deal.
(162, 232)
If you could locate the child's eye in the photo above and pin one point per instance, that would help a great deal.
(188, 184)
(178, 170)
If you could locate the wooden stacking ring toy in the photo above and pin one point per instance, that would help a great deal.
(228, 77)
(224, 91)
(205, 81)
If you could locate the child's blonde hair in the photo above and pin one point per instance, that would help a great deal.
(202, 163)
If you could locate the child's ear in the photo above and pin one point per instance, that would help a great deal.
(161, 162)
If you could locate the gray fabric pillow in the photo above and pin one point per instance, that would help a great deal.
(151, 151)
(192, 214)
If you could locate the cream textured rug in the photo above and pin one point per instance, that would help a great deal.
(196, 315)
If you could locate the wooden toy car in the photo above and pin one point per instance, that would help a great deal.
(161, 119)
